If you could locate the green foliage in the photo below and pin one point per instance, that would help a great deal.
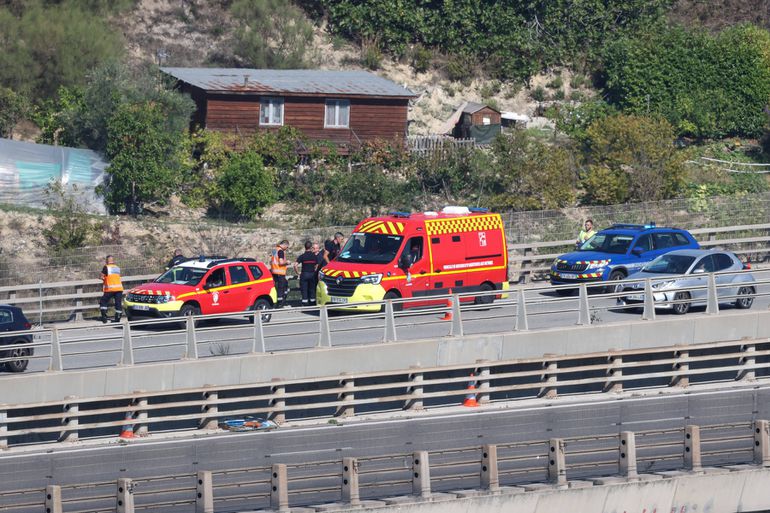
(706, 86)
(574, 120)
(632, 158)
(48, 45)
(455, 175)
(537, 94)
(72, 227)
(421, 58)
(556, 83)
(371, 55)
(244, 186)
(460, 68)
(271, 34)
(13, 107)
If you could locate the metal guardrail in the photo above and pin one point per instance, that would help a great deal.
(417, 388)
(416, 476)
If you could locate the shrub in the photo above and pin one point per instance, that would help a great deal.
(577, 80)
(244, 186)
(558, 94)
(371, 55)
(72, 227)
(556, 83)
(421, 58)
(537, 94)
(13, 107)
(459, 68)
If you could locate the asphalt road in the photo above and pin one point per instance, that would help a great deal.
(434, 431)
(92, 344)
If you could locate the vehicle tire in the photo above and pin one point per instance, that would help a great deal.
(681, 308)
(187, 310)
(746, 298)
(19, 365)
(392, 294)
(614, 276)
(484, 300)
(262, 304)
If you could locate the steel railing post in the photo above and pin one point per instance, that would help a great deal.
(421, 474)
(70, 422)
(141, 413)
(56, 359)
(490, 479)
(79, 304)
(415, 390)
(627, 454)
(557, 467)
(692, 454)
(521, 312)
(648, 314)
(279, 489)
(350, 491)
(209, 410)
(324, 332)
(390, 322)
(3, 427)
(584, 313)
(749, 373)
(53, 502)
(40, 296)
(614, 372)
(192, 344)
(204, 497)
(127, 354)
(278, 402)
(682, 369)
(549, 378)
(125, 497)
(762, 443)
(712, 302)
(346, 409)
(456, 329)
(258, 344)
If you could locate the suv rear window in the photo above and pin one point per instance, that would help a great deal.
(681, 240)
(256, 272)
(5, 316)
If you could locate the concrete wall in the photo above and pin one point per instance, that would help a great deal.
(729, 492)
(302, 364)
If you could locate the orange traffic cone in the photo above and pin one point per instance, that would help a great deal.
(448, 313)
(470, 399)
(128, 427)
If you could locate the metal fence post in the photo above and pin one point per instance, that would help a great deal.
(421, 474)
(279, 488)
(204, 497)
(390, 322)
(415, 390)
(56, 359)
(125, 496)
(3, 427)
(648, 314)
(749, 373)
(521, 312)
(40, 303)
(627, 454)
(192, 343)
(557, 467)
(350, 493)
(456, 329)
(324, 332)
(762, 443)
(681, 379)
(549, 390)
(70, 423)
(279, 402)
(692, 455)
(483, 374)
(490, 479)
(712, 301)
(584, 313)
(346, 409)
(127, 354)
(614, 373)
(141, 414)
(53, 503)
(79, 304)
(258, 344)
(209, 410)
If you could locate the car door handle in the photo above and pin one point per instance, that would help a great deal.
(423, 272)
(248, 288)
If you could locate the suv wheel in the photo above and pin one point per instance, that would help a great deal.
(745, 298)
(684, 307)
(615, 276)
(19, 365)
(189, 310)
(263, 305)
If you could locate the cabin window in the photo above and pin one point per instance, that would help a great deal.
(337, 114)
(271, 111)
(486, 120)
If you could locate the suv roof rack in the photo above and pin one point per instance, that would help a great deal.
(227, 260)
(629, 226)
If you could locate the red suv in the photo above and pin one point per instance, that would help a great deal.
(204, 286)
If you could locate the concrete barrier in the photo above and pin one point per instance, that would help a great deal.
(446, 351)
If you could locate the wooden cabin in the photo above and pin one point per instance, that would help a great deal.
(344, 107)
(476, 121)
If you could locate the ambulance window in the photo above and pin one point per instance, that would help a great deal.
(455, 238)
(413, 248)
(256, 272)
(238, 274)
(216, 278)
(435, 240)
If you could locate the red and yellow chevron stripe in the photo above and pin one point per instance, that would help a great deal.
(463, 224)
(345, 274)
(383, 227)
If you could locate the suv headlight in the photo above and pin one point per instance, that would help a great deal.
(663, 284)
(371, 279)
(321, 275)
(599, 264)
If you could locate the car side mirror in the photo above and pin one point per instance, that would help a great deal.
(405, 262)
(638, 250)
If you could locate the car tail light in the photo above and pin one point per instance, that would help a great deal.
(27, 326)
(747, 265)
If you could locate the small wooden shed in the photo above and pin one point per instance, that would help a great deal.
(477, 121)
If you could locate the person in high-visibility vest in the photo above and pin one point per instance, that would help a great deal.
(112, 289)
(586, 233)
(278, 266)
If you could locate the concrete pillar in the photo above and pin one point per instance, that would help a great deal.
(346, 409)
(70, 422)
(548, 379)
(648, 314)
(350, 493)
(324, 332)
(421, 474)
(79, 303)
(258, 342)
(53, 502)
(3, 427)
(683, 367)
(56, 359)
(278, 401)
(490, 479)
(627, 454)
(192, 343)
(712, 304)
(692, 455)
(557, 466)
(141, 414)
(584, 312)
(457, 321)
(125, 496)
(127, 349)
(279, 488)
(614, 372)
(762, 443)
(204, 497)
(748, 374)
(209, 410)
(483, 374)
(390, 322)
(521, 312)
(415, 391)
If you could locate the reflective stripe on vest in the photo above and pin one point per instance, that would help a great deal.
(111, 281)
(275, 266)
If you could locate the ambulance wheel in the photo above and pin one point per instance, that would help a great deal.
(392, 294)
(263, 304)
(188, 310)
(485, 300)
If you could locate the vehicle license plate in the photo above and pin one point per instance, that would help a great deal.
(338, 299)
(635, 297)
(568, 276)
(140, 307)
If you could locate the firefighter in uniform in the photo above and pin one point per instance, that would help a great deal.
(306, 267)
(278, 265)
(112, 288)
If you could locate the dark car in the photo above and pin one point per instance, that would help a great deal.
(13, 319)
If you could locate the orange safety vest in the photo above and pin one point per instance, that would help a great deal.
(111, 280)
(275, 266)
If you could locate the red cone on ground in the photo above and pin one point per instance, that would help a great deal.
(128, 427)
(448, 314)
(470, 398)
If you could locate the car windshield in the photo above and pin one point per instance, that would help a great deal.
(608, 243)
(669, 264)
(182, 276)
(370, 248)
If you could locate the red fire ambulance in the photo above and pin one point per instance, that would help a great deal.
(404, 255)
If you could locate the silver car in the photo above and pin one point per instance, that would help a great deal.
(674, 273)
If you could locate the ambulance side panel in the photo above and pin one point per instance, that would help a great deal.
(485, 249)
(447, 250)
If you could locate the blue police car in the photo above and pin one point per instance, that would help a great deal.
(616, 252)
